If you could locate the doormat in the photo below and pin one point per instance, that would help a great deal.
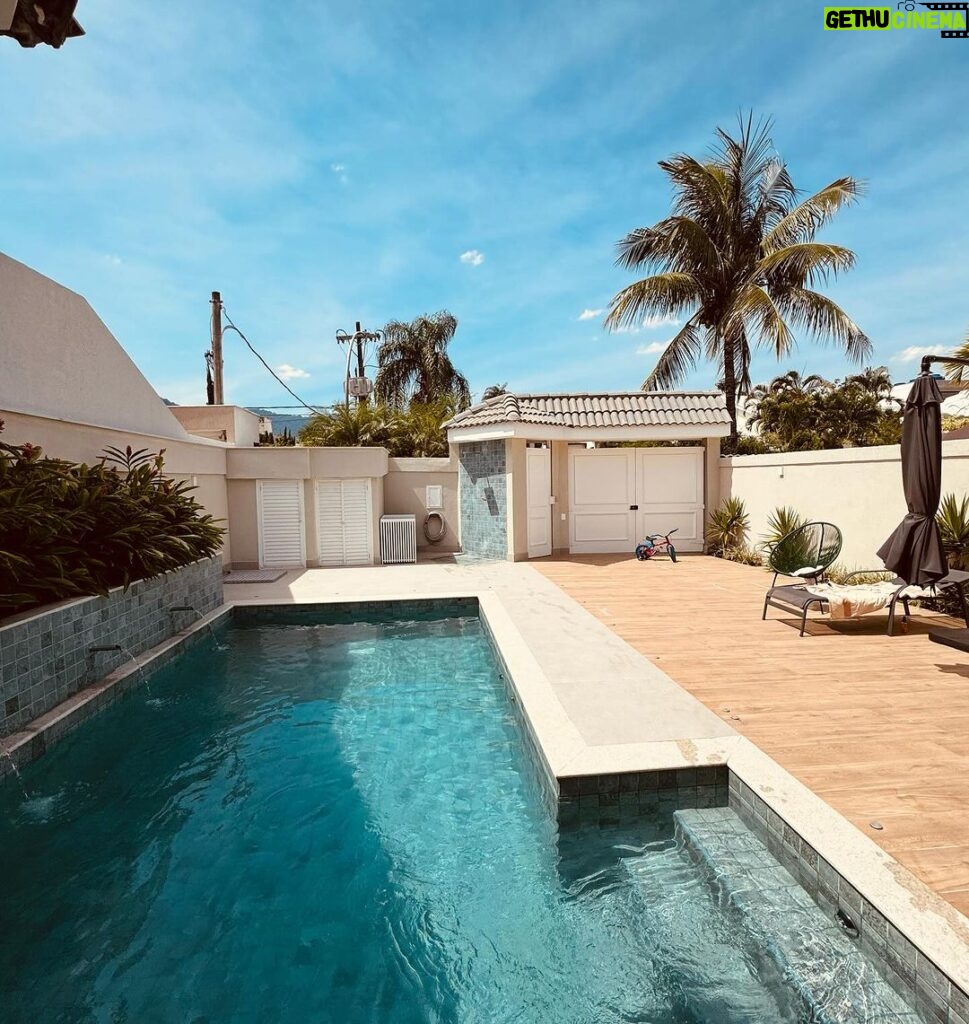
(253, 575)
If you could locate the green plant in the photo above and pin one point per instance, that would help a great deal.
(794, 413)
(414, 365)
(782, 521)
(953, 520)
(738, 263)
(68, 529)
(839, 573)
(728, 526)
(744, 554)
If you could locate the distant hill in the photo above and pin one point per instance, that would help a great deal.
(282, 420)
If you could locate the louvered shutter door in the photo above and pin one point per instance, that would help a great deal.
(329, 521)
(343, 521)
(356, 522)
(281, 523)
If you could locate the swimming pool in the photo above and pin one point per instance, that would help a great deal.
(338, 823)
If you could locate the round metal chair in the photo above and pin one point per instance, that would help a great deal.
(805, 554)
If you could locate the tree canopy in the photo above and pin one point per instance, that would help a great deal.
(737, 263)
(793, 413)
(413, 364)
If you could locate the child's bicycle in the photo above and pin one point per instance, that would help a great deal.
(657, 544)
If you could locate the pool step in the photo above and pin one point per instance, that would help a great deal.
(831, 974)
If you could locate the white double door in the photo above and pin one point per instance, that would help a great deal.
(344, 524)
(620, 495)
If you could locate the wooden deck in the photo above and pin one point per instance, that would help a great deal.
(876, 726)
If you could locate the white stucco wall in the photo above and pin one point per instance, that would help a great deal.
(857, 489)
(230, 423)
(405, 493)
(58, 359)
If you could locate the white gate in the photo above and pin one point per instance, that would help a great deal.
(538, 466)
(619, 495)
(344, 529)
(602, 493)
(669, 492)
(282, 536)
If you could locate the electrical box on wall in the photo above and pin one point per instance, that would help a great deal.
(434, 496)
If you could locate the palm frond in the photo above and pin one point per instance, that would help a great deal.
(673, 242)
(805, 263)
(954, 372)
(825, 319)
(811, 214)
(667, 294)
(677, 359)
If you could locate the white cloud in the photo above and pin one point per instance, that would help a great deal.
(913, 352)
(590, 314)
(288, 372)
(112, 260)
(340, 171)
(652, 322)
(649, 324)
(472, 257)
(653, 349)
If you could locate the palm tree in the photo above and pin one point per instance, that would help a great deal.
(349, 426)
(414, 365)
(494, 391)
(739, 261)
(875, 380)
(419, 431)
(790, 383)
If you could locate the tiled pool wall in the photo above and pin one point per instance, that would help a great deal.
(482, 487)
(608, 800)
(933, 994)
(45, 657)
(71, 713)
(543, 776)
(340, 613)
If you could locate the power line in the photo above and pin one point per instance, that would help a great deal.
(232, 327)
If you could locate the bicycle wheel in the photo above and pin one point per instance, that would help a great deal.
(672, 552)
(641, 552)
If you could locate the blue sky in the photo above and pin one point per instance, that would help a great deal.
(323, 163)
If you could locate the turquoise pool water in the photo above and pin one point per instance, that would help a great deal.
(339, 823)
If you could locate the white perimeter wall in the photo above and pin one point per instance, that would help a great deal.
(857, 489)
(57, 359)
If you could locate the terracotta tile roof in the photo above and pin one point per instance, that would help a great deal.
(607, 409)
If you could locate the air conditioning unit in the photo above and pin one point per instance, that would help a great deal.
(359, 387)
(398, 539)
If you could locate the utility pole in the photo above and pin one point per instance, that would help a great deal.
(358, 387)
(217, 347)
(361, 370)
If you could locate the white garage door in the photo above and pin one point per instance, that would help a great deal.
(619, 495)
(282, 541)
(343, 522)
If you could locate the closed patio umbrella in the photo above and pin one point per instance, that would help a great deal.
(914, 550)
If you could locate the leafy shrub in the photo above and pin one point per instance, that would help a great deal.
(753, 444)
(781, 522)
(953, 520)
(411, 432)
(744, 554)
(728, 527)
(839, 573)
(71, 530)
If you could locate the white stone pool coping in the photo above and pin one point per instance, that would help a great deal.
(596, 707)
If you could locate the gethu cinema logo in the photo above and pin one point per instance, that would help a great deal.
(950, 19)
